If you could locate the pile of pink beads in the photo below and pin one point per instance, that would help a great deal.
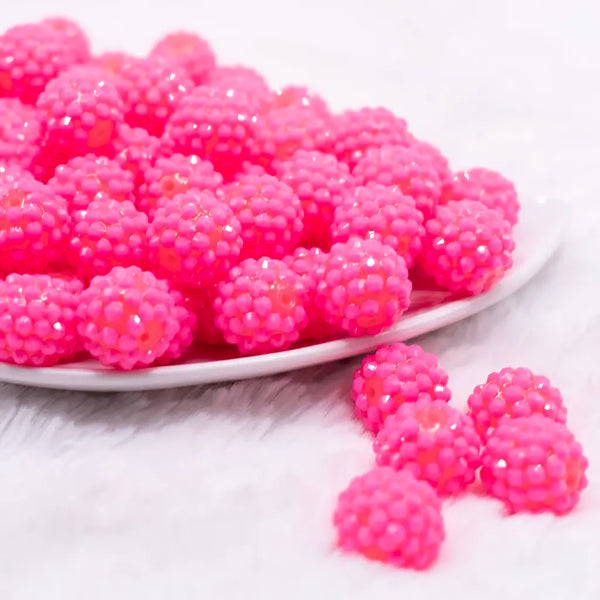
(514, 434)
(148, 204)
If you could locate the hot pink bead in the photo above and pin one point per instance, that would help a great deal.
(194, 239)
(21, 132)
(534, 464)
(188, 323)
(320, 182)
(488, 187)
(432, 440)
(112, 61)
(82, 109)
(38, 326)
(309, 264)
(70, 35)
(11, 175)
(34, 227)
(176, 174)
(270, 214)
(188, 50)
(435, 156)
(85, 178)
(390, 516)
(382, 213)
(514, 393)
(281, 132)
(359, 130)
(365, 287)
(260, 307)
(393, 375)
(245, 80)
(152, 89)
(467, 247)
(406, 167)
(300, 97)
(128, 318)
(31, 55)
(214, 124)
(108, 233)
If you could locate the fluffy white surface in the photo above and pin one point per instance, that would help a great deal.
(227, 491)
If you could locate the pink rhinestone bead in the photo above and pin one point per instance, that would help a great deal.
(534, 464)
(242, 79)
(390, 516)
(38, 326)
(434, 441)
(71, 35)
(393, 375)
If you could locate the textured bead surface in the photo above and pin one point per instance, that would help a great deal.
(176, 174)
(467, 247)
(488, 187)
(300, 97)
(514, 393)
(188, 324)
(406, 167)
(432, 440)
(108, 233)
(193, 239)
(391, 517)
(71, 35)
(534, 464)
(260, 308)
(38, 326)
(85, 178)
(320, 182)
(34, 227)
(245, 80)
(215, 124)
(21, 132)
(437, 159)
(270, 214)
(382, 213)
(365, 287)
(359, 130)
(128, 318)
(188, 50)
(393, 375)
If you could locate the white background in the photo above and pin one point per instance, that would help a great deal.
(227, 491)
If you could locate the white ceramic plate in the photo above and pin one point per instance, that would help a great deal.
(537, 236)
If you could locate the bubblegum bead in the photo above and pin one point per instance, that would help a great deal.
(34, 227)
(83, 109)
(467, 247)
(270, 214)
(281, 132)
(108, 233)
(432, 440)
(436, 158)
(21, 132)
(194, 239)
(189, 51)
(300, 97)
(32, 55)
(128, 318)
(488, 187)
(393, 375)
(534, 464)
(358, 130)
(390, 516)
(176, 174)
(71, 35)
(38, 325)
(260, 307)
(151, 90)
(11, 175)
(514, 393)
(184, 337)
(309, 263)
(320, 182)
(85, 178)
(382, 213)
(364, 288)
(214, 124)
(406, 167)
(242, 79)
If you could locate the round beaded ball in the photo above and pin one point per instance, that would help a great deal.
(393, 375)
(390, 516)
(534, 464)
(38, 325)
(467, 247)
(245, 80)
(364, 288)
(21, 133)
(434, 441)
(300, 97)
(260, 307)
(514, 393)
